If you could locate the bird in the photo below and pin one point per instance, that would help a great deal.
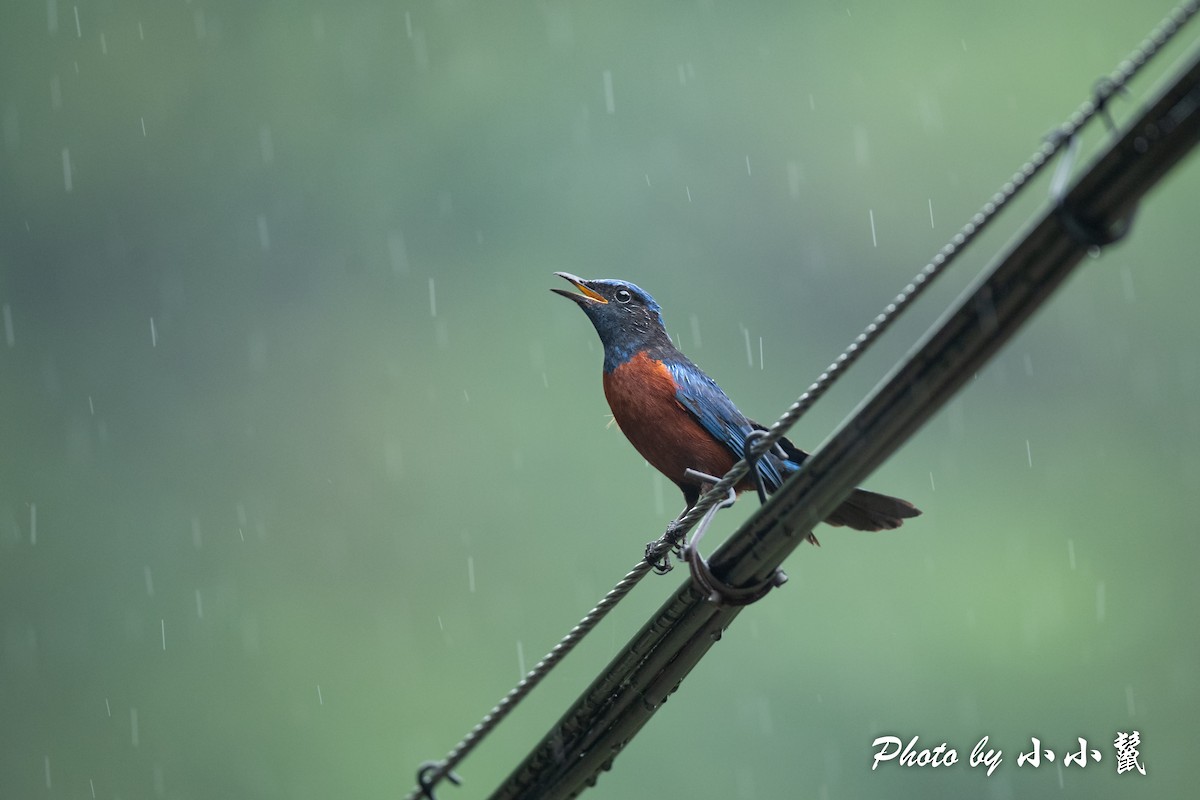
(680, 420)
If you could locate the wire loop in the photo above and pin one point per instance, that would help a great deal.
(716, 590)
(1093, 234)
(427, 778)
(432, 772)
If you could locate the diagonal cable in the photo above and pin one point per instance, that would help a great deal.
(433, 773)
(1113, 84)
(643, 674)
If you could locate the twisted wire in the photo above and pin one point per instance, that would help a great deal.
(1115, 82)
(443, 768)
(1126, 70)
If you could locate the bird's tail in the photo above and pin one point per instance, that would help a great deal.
(871, 511)
(862, 510)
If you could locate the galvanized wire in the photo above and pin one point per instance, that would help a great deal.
(650, 667)
(434, 772)
(437, 771)
(1114, 83)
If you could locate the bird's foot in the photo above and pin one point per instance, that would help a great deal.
(675, 537)
(661, 564)
(658, 552)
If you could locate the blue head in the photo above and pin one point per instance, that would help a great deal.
(626, 317)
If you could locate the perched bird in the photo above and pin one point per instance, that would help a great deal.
(679, 419)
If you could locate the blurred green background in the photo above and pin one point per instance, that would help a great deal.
(301, 464)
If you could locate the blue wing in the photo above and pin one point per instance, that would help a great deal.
(717, 414)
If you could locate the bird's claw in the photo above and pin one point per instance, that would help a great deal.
(673, 536)
(661, 564)
(659, 555)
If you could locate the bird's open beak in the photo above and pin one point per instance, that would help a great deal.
(589, 295)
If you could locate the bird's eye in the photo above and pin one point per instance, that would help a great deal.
(623, 296)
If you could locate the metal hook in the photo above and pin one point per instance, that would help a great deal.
(1090, 233)
(1103, 92)
(662, 565)
(426, 783)
(706, 520)
(718, 591)
(752, 460)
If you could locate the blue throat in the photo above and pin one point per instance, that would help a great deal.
(617, 354)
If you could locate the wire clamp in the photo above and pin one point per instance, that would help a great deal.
(717, 590)
(752, 459)
(1093, 234)
(426, 778)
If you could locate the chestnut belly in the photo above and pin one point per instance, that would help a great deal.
(641, 394)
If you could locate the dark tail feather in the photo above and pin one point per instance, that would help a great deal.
(871, 511)
(862, 510)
